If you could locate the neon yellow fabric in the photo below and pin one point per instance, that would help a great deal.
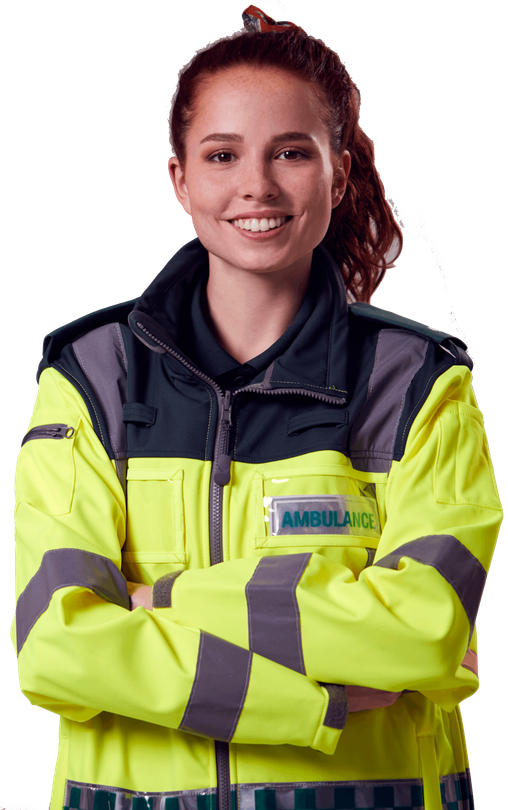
(353, 627)
(121, 680)
(85, 657)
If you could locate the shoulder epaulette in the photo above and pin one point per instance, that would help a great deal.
(449, 343)
(85, 323)
(56, 340)
(385, 317)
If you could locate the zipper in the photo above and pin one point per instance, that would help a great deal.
(249, 389)
(56, 431)
(221, 474)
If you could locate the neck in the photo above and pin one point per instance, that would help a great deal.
(249, 311)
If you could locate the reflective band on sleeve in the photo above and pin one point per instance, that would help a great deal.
(274, 617)
(62, 568)
(454, 562)
(219, 689)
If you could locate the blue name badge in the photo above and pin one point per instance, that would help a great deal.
(323, 514)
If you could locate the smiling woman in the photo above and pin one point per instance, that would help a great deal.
(263, 83)
(282, 118)
(255, 513)
(260, 197)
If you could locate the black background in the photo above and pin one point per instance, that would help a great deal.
(94, 219)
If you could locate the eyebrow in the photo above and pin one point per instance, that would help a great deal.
(232, 137)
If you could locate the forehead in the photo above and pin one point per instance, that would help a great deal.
(243, 94)
(252, 77)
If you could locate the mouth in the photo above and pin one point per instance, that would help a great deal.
(259, 225)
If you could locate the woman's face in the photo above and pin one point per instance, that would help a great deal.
(257, 149)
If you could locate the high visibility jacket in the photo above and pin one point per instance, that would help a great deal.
(318, 541)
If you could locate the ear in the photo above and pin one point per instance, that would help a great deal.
(177, 176)
(341, 175)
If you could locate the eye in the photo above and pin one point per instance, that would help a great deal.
(222, 157)
(291, 154)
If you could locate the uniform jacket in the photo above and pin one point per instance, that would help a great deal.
(318, 539)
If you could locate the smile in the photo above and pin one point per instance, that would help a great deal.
(263, 224)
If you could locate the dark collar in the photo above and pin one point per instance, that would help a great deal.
(315, 357)
(201, 346)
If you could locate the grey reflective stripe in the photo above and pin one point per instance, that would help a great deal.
(219, 689)
(61, 568)
(162, 588)
(103, 360)
(106, 797)
(454, 562)
(337, 711)
(274, 617)
(369, 794)
(399, 356)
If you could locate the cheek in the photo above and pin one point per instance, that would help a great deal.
(319, 205)
(200, 187)
(315, 189)
(204, 194)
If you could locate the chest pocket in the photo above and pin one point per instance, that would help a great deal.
(330, 506)
(155, 542)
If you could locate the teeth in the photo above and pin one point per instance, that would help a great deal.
(263, 224)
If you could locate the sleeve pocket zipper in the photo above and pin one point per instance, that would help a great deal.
(56, 431)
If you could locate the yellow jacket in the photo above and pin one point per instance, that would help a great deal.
(318, 541)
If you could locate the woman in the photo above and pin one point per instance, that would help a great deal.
(298, 495)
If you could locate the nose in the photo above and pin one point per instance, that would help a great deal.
(258, 181)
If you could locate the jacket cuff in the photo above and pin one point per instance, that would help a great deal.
(162, 588)
(338, 706)
(334, 720)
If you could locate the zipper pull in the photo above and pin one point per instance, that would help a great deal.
(226, 410)
(222, 473)
(56, 431)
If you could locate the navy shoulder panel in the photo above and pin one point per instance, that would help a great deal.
(383, 318)
(386, 318)
(56, 340)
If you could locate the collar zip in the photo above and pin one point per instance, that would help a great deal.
(222, 474)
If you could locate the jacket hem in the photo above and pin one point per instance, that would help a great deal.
(390, 794)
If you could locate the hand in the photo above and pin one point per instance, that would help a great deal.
(140, 595)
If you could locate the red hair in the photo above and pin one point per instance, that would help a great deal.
(363, 236)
